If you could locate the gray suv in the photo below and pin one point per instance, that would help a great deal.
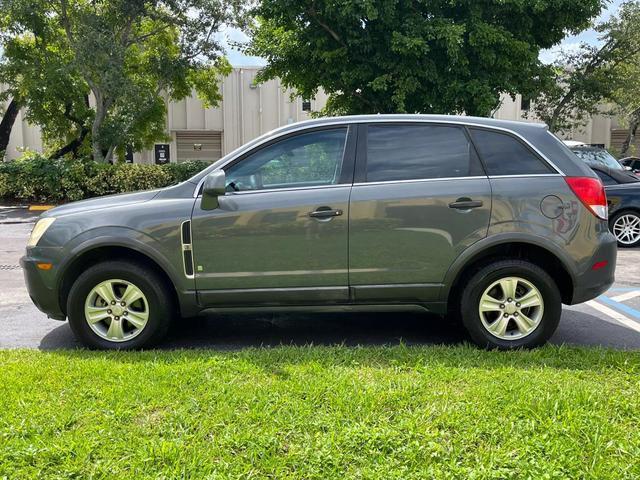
(494, 224)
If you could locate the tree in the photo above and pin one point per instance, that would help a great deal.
(625, 100)
(33, 67)
(127, 55)
(443, 56)
(581, 79)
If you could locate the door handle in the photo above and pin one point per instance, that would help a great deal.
(325, 212)
(465, 204)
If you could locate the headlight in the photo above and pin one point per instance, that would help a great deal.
(40, 227)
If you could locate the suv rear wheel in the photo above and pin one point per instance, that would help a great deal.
(119, 305)
(510, 304)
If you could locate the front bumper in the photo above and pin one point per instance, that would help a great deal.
(593, 283)
(43, 296)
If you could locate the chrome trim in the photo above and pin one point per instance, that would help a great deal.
(526, 175)
(308, 125)
(187, 247)
(420, 180)
(267, 190)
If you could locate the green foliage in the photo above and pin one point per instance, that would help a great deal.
(128, 56)
(34, 177)
(580, 80)
(441, 56)
(321, 413)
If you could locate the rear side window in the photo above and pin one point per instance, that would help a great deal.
(410, 152)
(503, 154)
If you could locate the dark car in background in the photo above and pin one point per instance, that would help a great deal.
(631, 162)
(623, 198)
(594, 155)
(494, 223)
(622, 186)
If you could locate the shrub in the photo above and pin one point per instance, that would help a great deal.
(34, 177)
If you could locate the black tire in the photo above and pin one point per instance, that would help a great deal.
(158, 296)
(615, 219)
(483, 278)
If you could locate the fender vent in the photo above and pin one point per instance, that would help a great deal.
(186, 232)
(187, 255)
(188, 263)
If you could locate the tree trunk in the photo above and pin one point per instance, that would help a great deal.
(631, 134)
(109, 156)
(101, 114)
(72, 146)
(6, 124)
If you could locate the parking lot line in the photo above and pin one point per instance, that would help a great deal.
(617, 316)
(626, 296)
(620, 306)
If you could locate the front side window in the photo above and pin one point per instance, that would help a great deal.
(308, 159)
(503, 154)
(409, 152)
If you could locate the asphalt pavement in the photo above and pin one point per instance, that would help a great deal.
(611, 320)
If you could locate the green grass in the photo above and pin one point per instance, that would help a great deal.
(321, 413)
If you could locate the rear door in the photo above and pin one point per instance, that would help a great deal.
(419, 199)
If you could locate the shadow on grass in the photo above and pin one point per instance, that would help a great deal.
(350, 340)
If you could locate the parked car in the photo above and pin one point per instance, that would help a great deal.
(613, 176)
(631, 162)
(495, 223)
(623, 197)
(597, 156)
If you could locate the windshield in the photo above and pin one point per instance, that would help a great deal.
(601, 157)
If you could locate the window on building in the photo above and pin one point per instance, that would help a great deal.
(407, 152)
(525, 104)
(504, 154)
(306, 105)
(308, 159)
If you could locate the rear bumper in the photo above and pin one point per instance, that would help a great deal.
(43, 297)
(592, 283)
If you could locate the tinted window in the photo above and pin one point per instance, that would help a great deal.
(606, 179)
(503, 154)
(407, 152)
(309, 159)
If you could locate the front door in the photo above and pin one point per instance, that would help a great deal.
(419, 199)
(279, 234)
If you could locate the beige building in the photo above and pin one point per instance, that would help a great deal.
(249, 110)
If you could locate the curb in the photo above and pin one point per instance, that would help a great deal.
(40, 208)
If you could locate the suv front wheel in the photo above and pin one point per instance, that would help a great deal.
(510, 304)
(119, 305)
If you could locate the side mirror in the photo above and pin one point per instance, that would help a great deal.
(214, 186)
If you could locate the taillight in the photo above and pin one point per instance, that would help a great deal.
(591, 192)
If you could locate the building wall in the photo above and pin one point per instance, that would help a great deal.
(596, 131)
(249, 110)
(246, 111)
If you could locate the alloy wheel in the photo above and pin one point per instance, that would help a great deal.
(511, 308)
(116, 310)
(626, 228)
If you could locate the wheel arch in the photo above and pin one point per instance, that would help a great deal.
(100, 253)
(536, 253)
(623, 209)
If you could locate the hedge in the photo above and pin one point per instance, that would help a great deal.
(35, 178)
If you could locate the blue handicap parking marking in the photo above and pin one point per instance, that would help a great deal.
(620, 306)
